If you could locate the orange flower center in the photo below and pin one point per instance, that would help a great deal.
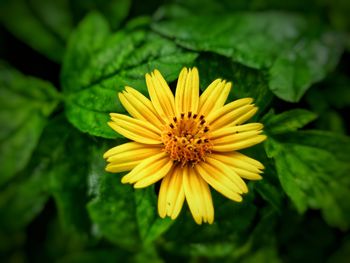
(186, 139)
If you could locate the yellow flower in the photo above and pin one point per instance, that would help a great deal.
(187, 141)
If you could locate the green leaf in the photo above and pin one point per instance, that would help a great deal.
(99, 64)
(25, 104)
(92, 256)
(246, 82)
(58, 169)
(269, 188)
(115, 11)
(150, 224)
(266, 254)
(44, 30)
(279, 42)
(49, 23)
(113, 210)
(337, 144)
(227, 234)
(68, 168)
(23, 199)
(269, 191)
(307, 62)
(287, 121)
(148, 254)
(263, 233)
(313, 168)
(182, 8)
(125, 216)
(254, 39)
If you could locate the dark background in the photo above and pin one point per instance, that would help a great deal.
(30, 62)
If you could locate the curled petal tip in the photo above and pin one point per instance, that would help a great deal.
(124, 180)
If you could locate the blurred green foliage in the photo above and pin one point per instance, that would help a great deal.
(98, 64)
(58, 204)
(46, 25)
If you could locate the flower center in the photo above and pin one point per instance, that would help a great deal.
(186, 139)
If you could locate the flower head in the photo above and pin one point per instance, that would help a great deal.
(188, 142)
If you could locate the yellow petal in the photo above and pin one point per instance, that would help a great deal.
(187, 91)
(242, 157)
(131, 151)
(126, 156)
(153, 177)
(180, 90)
(208, 91)
(129, 146)
(247, 174)
(139, 106)
(240, 144)
(195, 197)
(134, 129)
(227, 114)
(194, 101)
(161, 95)
(162, 196)
(219, 181)
(245, 117)
(233, 161)
(236, 137)
(207, 200)
(146, 167)
(139, 154)
(176, 194)
(171, 194)
(214, 97)
(244, 166)
(226, 171)
(229, 130)
(121, 167)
